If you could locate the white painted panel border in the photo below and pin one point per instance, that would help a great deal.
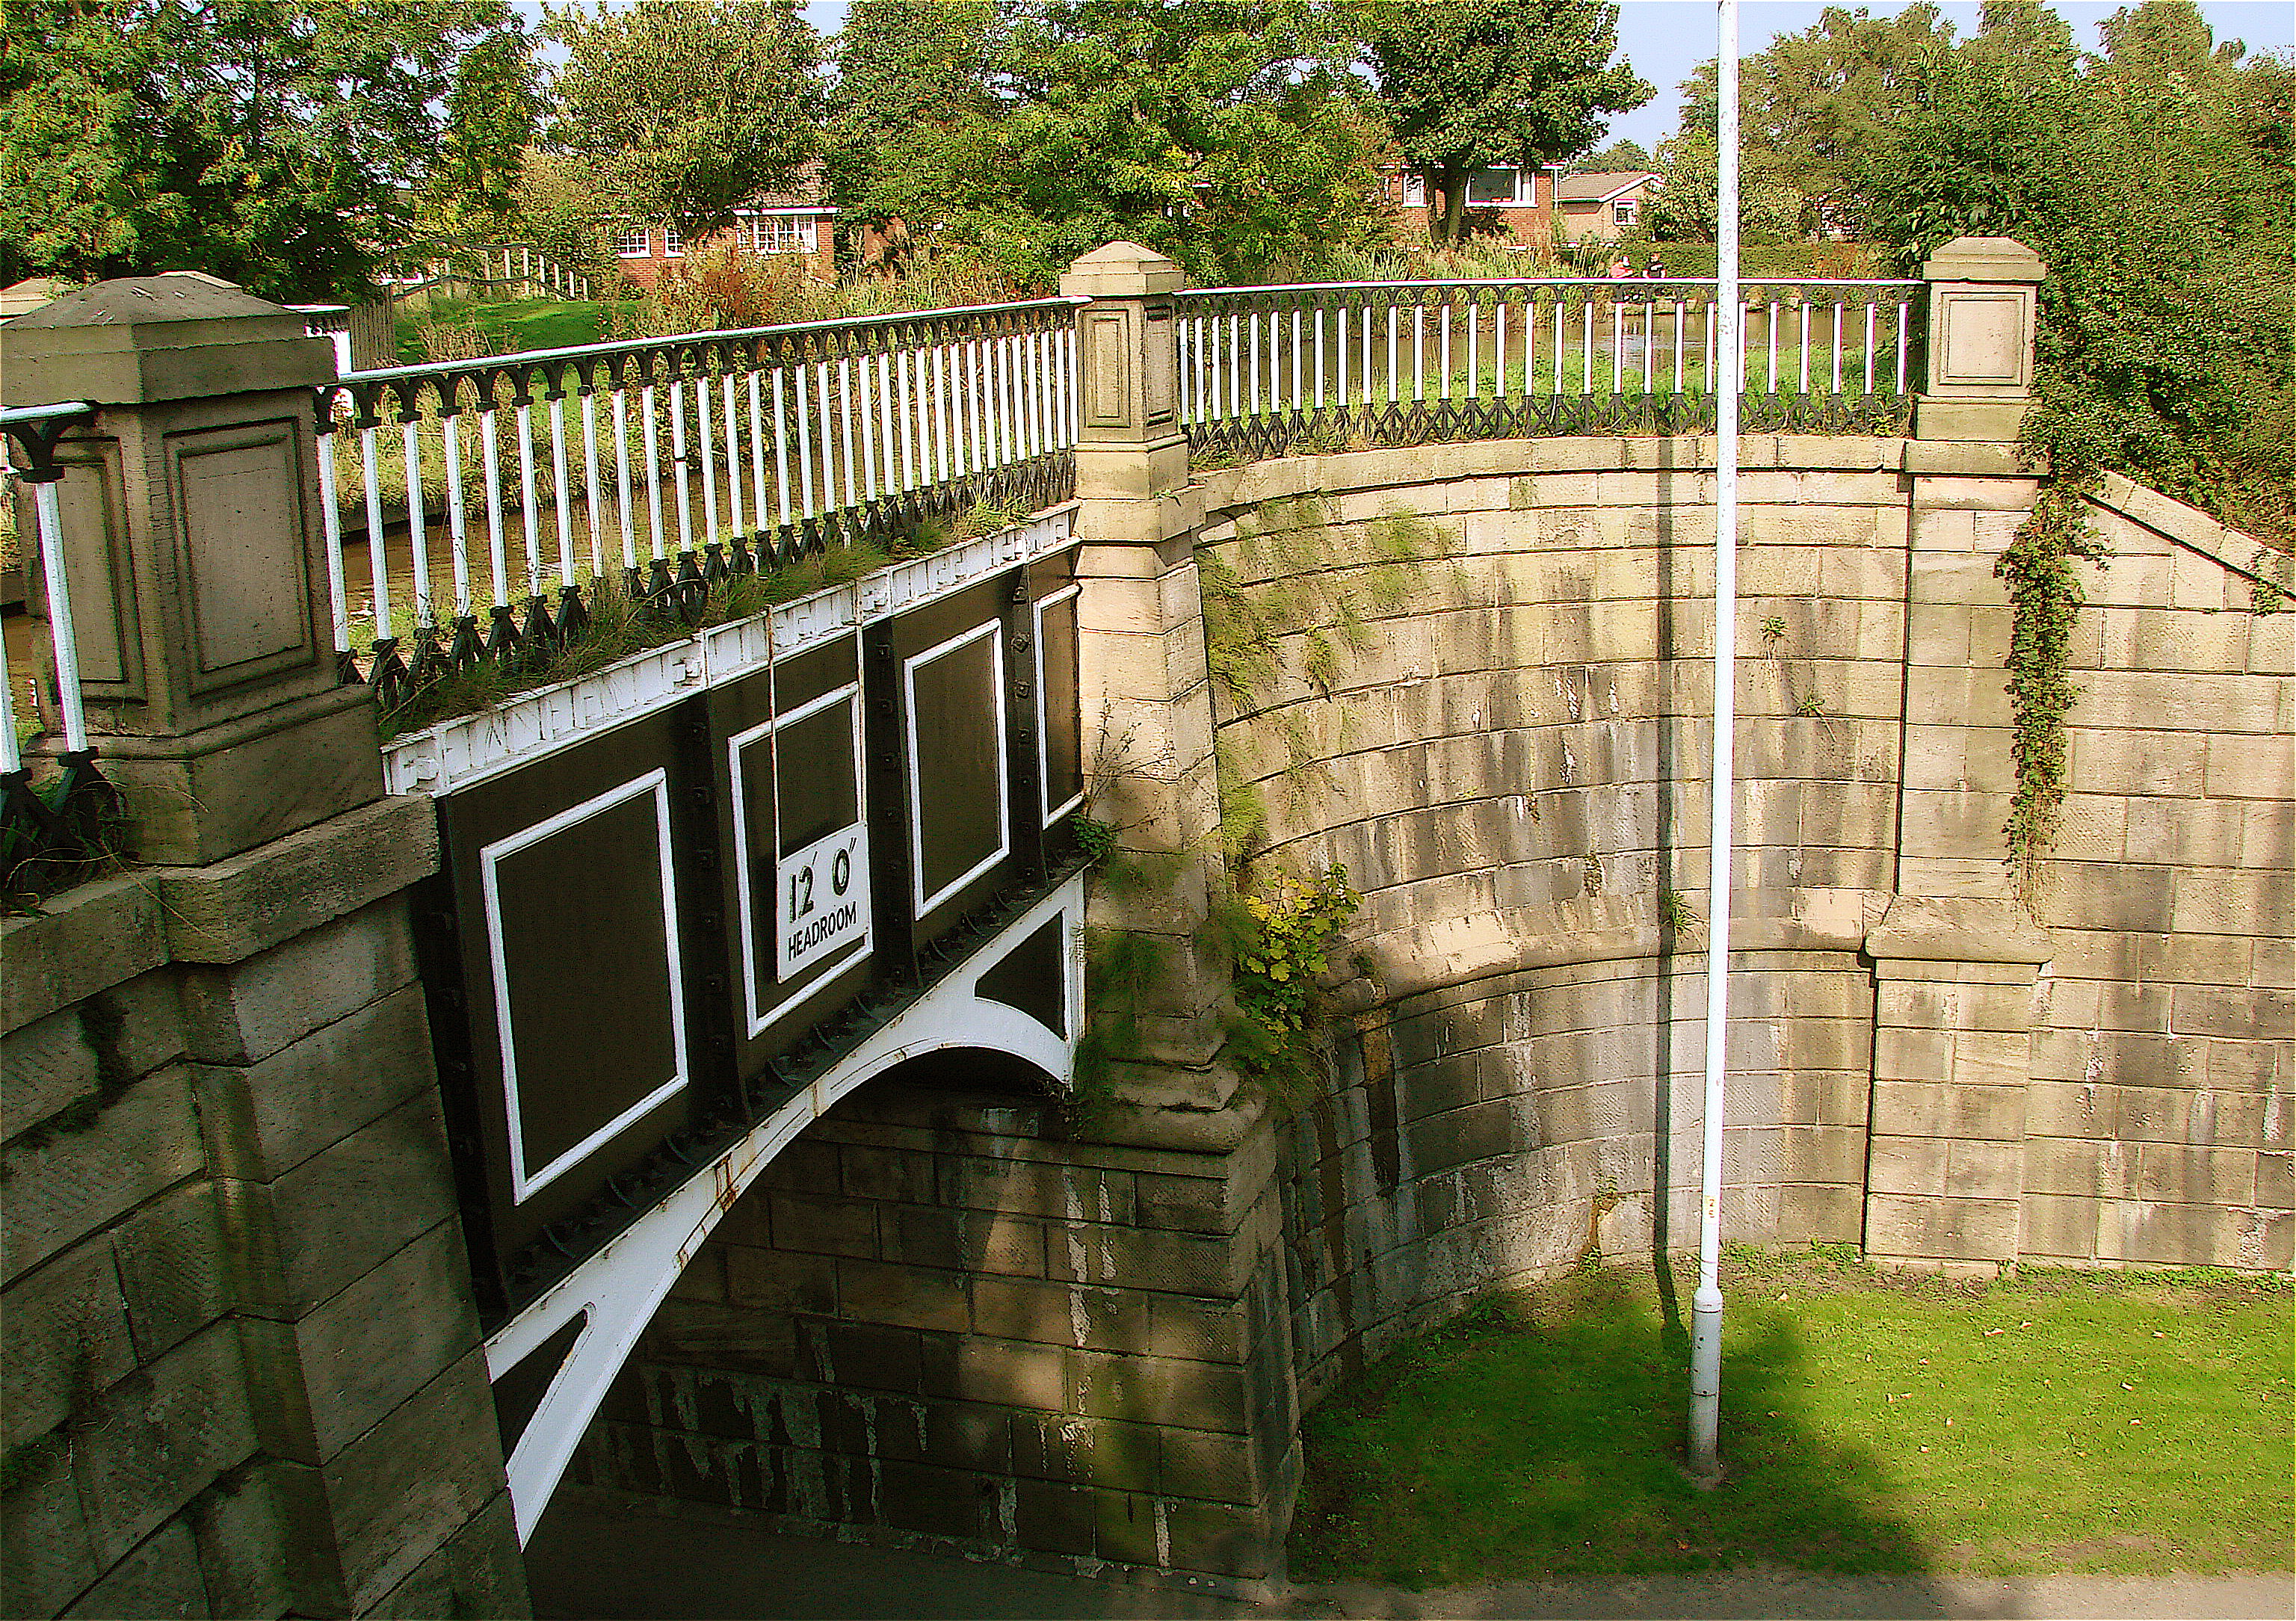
(653, 784)
(533, 726)
(1044, 737)
(759, 1021)
(624, 1283)
(993, 629)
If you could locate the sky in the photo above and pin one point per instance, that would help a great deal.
(1667, 39)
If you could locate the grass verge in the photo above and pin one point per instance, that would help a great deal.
(2114, 1423)
(509, 328)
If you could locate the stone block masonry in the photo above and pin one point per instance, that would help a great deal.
(242, 1366)
(938, 1320)
(1511, 764)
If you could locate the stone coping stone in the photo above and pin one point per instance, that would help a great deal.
(228, 912)
(1229, 489)
(1938, 928)
(85, 940)
(2188, 527)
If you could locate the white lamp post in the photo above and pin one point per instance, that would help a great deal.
(1706, 1305)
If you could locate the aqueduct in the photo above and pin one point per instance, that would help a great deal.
(417, 1127)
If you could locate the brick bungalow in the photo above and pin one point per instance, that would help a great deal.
(1506, 203)
(1606, 203)
(799, 222)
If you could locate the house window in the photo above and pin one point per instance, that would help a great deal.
(1495, 186)
(1622, 212)
(779, 233)
(671, 247)
(632, 244)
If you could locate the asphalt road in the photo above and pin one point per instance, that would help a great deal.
(600, 1556)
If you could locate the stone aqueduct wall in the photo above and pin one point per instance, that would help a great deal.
(947, 1318)
(1519, 1096)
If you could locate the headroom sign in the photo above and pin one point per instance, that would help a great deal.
(822, 902)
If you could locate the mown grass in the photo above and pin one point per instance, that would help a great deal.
(512, 327)
(2114, 1423)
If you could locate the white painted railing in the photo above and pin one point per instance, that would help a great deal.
(29, 434)
(1423, 354)
(478, 490)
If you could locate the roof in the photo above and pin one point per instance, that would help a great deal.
(810, 192)
(1604, 185)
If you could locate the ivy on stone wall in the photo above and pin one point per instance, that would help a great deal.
(2046, 596)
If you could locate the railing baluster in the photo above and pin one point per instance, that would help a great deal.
(1869, 346)
(1444, 346)
(756, 380)
(737, 528)
(622, 476)
(781, 444)
(458, 550)
(563, 500)
(1837, 346)
(653, 462)
(590, 477)
(490, 454)
(378, 562)
(64, 640)
(417, 535)
(678, 459)
(331, 517)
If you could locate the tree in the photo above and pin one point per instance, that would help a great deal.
(1618, 155)
(689, 108)
(906, 69)
(1467, 85)
(2154, 182)
(282, 145)
(1226, 132)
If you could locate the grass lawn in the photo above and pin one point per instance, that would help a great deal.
(525, 324)
(2117, 1423)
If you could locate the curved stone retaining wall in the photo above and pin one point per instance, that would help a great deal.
(1512, 764)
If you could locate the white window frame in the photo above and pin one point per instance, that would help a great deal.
(1520, 200)
(1623, 210)
(625, 234)
(672, 248)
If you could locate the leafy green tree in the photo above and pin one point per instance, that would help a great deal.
(907, 69)
(688, 108)
(1618, 155)
(491, 110)
(1468, 84)
(2156, 183)
(282, 145)
(1226, 132)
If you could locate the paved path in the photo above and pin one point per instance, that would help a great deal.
(600, 1556)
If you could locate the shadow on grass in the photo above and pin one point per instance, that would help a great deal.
(1542, 1436)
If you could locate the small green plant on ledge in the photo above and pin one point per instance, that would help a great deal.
(2045, 598)
(1677, 914)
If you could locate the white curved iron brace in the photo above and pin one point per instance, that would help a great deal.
(619, 1289)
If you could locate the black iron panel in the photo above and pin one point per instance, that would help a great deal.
(580, 917)
(957, 792)
(1057, 709)
(551, 905)
(615, 987)
(1030, 978)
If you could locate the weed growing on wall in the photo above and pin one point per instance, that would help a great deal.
(2044, 596)
(1289, 928)
(1289, 602)
(1289, 608)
